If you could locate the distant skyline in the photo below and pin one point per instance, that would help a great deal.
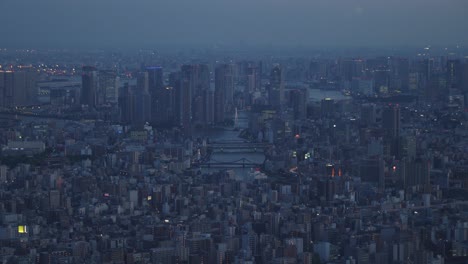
(211, 23)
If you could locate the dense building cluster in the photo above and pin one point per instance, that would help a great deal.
(364, 160)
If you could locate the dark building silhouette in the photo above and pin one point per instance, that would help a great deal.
(89, 86)
(276, 91)
(108, 91)
(298, 102)
(141, 101)
(454, 74)
(17, 88)
(391, 120)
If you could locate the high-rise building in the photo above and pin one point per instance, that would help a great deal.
(464, 78)
(253, 79)
(89, 86)
(416, 172)
(141, 101)
(197, 76)
(298, 102)
(194, 81)
(159, 102)
(17, 88)
(126, 104)
(391, 120)
(225, 80)
(108, 91)
(276, 91)
(224, 90)
(426, 68)
(186, 103)
(454, 74)
(6, 88)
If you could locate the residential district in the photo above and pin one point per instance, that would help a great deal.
(208, 158)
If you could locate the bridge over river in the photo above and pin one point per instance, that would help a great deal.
(237, 146)
(240, 163)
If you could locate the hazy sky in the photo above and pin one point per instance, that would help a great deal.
(142, 23)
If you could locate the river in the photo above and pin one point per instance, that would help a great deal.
(228, 134)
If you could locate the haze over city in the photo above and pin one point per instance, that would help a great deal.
(207, 23)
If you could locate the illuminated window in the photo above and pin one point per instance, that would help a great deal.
(22, 229)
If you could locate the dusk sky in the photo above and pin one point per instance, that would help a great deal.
(317, 23)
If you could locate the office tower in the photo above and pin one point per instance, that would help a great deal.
(194, 81)
(464, 78)
(391, 120)
(126, 104)
(174, 84)
(17, 88)
(186, 103)
(209, 107)
(219, 99)
(197, 76)
(203, 108)
(416, 172)
(6, 88)
(156, 90)
(2, 88)
(276, 91)
(108, 91)
(298, 102)
(155, 79)
(141, 101)
(426, 69)
(391, 127)
(225, 81)
(89, 86)
(454, 74)
(253, 79)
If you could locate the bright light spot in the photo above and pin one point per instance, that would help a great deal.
(22, 229)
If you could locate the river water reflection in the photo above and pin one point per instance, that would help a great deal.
(228, 134)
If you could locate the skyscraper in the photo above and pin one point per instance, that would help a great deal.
(108, 91)
(141, 101)
(253, 79)
(225, 81)
(89, 86)
(276, 91)
(157, 93)
(197, 76)
(17, 88)
(224, 90)
(391, 120)
(454, 74)
(298, 102)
